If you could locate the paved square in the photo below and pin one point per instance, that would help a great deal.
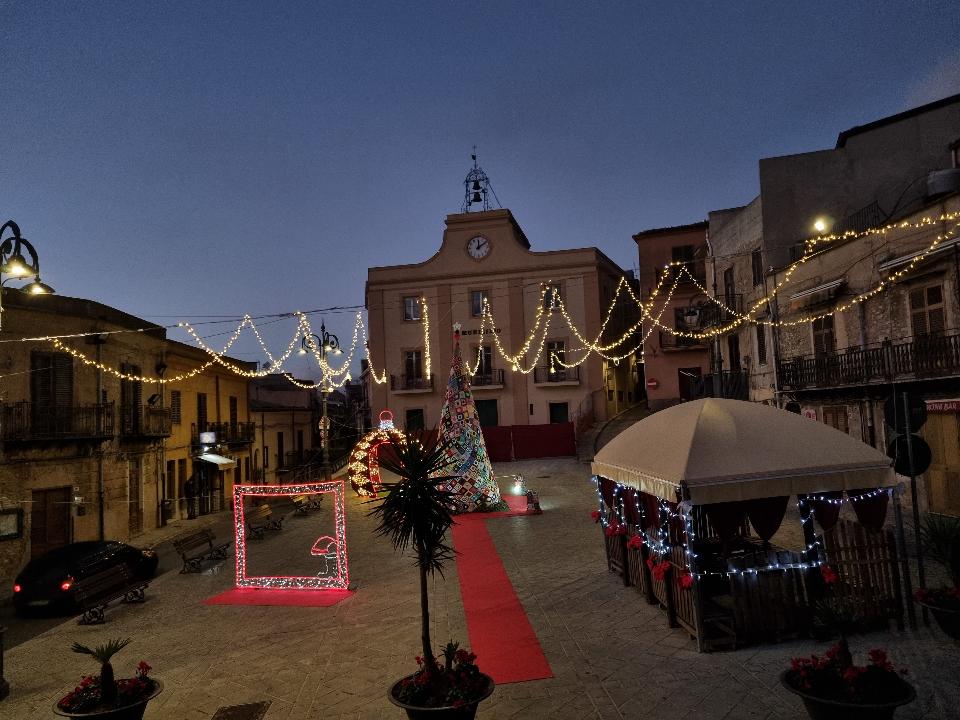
(612, 654)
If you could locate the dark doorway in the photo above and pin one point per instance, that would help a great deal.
(135, 513)
(688, 382)
(49, 520)
(415, 419)
(487, 413)
(733, 352)
(559, 412)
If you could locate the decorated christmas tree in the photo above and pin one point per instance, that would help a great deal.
(472, 483)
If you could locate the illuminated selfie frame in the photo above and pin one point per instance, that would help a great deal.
(337, 548)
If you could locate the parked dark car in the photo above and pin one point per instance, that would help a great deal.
(46, 582)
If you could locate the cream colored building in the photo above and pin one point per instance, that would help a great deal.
(486, 255)
(85, 455)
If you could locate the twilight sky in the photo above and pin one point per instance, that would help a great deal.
(198, 161)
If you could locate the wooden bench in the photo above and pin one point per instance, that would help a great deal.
(195, 547)
(260, 519)
(94, 592)
(305, 503)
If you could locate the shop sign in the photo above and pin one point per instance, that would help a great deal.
(943, 406)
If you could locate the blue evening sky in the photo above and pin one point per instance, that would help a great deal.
(188, 160)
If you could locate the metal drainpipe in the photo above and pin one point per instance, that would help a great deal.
(866, 409)
(774, 308)
(717, 359)
(101, 492)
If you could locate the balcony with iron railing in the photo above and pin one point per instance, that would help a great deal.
(411, 383)
(916, 358)
(35, 422)
(230, 433)
(712, 314)
(560, 375)
(144, 422)
(489, 379)
(676, 343)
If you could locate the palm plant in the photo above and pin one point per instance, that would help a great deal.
(103, 653)
(415, 511)
(941, 537)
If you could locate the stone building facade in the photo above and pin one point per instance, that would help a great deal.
(85, 454)
(486, 255)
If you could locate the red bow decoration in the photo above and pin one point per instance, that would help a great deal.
(595, 515)
(615, 529)
(635, 543)
(686, 581)
(829, 575)
(660, 570)
(650, 563)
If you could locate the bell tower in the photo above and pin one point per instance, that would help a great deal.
(477, 188)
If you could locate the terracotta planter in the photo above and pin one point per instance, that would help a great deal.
(947, 619)
(127, 712)
(823, 709)
(464, 712)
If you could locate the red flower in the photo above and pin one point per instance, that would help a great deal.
(143, 668)
(419, 660)
(852, 673)
(828, 574)
(595, 515)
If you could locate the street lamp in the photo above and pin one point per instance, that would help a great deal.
(16, 265)
(323, 343)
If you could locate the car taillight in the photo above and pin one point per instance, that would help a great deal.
(17, 588)
(66, 585)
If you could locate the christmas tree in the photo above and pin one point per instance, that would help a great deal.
(472, 482)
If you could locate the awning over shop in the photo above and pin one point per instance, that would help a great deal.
(815, 295)
(222, 463)
(731, 450)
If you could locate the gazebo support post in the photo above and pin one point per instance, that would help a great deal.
(692, 563)
(904, 561)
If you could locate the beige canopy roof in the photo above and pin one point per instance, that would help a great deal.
(727, 450)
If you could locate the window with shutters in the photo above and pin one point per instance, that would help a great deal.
(823, 339)
(201, 412)
(756, 263)
(411, 308)
(926, 310)
(233, 411)
(729, 287)
(761, 345)
(413, 364)
(477, 300)
(835, 416)
(175, 407)
(131, 397)
(51, 391)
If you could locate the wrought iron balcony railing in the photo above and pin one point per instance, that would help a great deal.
(731, 384)
(711, 314)
(670, 342)
(923, 356)
(560, 374)
(28, 421)
(241, 432)
(411, 382)
(144, 421)
(484, 379)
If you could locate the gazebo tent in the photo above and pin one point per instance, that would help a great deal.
(701, 469)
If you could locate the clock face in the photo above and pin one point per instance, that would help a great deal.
(478, 247)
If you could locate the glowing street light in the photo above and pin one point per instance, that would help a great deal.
(16, 265)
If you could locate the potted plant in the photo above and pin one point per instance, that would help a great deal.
(832, 687)
(416, 511)
(941, 537)
(105, 698)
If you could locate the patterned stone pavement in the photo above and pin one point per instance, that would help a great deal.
(612, 655)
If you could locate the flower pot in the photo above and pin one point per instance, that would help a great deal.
(127, 712)
(820, 708)
(462, 712)
(947, 618)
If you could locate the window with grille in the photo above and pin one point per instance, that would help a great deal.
(823, 339)
(411, 308)
(413, 364)
(756, 262)
(175, 407)
(477, 298)
(835, 416)
(926, 310)
(761, 345)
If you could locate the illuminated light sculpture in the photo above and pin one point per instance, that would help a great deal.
(333, 550)
(363, 468)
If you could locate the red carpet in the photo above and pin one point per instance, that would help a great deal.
(264, 596)
(506, 646)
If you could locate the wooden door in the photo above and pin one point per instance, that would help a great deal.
(49, 520)
(942, 433)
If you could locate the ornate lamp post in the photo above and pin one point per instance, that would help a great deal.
(16, 264)
(324, 343)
